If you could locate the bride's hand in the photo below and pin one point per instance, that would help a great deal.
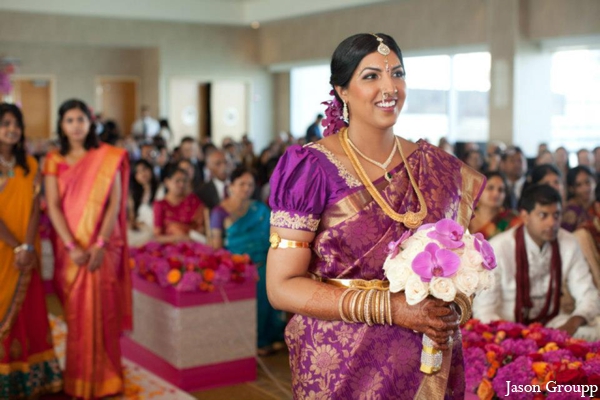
(433, 317)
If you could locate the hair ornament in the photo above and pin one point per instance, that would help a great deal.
(384, 50)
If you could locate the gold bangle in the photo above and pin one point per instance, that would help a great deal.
(278, 243)
(361, 306)
(375, 308)
(341, 305)
(389, 308)
(367, 307)
(353, 304)
(381, 307)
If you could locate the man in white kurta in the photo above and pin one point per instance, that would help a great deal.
(541, 227)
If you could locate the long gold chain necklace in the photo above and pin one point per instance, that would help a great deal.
(384, 165)
(410, 219)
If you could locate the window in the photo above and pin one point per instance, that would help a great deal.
(309, 87)
(446, 96)
(575, 80)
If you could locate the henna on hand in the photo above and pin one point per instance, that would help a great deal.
(432, 317)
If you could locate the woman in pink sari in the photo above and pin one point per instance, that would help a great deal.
(85, 188)
(337, 204)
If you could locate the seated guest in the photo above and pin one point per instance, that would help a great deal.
(188, 167)
(561, 159)
(535, 260)
(493, 213)
(581, 184)
(241, 225)
(179, 216)
(547, 174)
(473, 159)
(544, 157)
(589, 239)
(143, 188)
(514, 167)
(215, 190)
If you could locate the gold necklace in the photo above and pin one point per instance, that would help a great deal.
(9, 166)
(410, 219)
(384, 165)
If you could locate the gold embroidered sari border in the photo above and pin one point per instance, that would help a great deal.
(286, 219)
(350, 180)
(15, 306)
(348, 207)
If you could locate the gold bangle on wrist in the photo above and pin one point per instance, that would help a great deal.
(341, 305)
(278, 243)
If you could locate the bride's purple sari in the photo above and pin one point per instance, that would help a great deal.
(312, 191)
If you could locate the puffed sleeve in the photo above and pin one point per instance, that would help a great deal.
(298, 190)
(51, 164)
(217, 218)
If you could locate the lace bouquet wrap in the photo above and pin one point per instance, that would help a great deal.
(442, 261)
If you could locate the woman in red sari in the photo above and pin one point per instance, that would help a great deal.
(85, 189)
(28, 365)
(493, 213)
(179, 217)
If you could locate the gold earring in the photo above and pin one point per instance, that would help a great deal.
(345, 112)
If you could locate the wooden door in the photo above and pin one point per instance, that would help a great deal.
(204, 111)
(34, 97)
(117, 100)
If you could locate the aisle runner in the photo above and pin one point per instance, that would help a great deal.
(140, 384)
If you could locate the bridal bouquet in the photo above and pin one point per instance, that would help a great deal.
(442, 261)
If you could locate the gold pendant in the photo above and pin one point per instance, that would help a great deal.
(388, 177)
(412, 220)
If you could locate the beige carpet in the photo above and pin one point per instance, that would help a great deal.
(139, 383)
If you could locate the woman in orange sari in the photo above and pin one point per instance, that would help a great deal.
(28, 365)
(85, 188)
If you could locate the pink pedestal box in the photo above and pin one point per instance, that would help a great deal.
(194, 340)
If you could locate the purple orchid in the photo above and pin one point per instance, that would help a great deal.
(449, 233)
(435, 261)
(333, 120)
(486, 251)
(394, 247)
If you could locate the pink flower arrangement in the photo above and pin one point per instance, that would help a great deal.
(541, 358)
(190, 266)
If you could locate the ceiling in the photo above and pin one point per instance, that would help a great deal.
(233, 12)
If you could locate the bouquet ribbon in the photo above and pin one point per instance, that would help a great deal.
(431, 358)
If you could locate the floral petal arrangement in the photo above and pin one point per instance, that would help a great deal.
(190, 266)
(442, 261)
(528, 362)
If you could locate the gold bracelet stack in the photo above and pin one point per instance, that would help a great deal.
(371, 306)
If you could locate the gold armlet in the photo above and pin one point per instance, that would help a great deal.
(278, 243)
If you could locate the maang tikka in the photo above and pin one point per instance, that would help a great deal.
(384, 50)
